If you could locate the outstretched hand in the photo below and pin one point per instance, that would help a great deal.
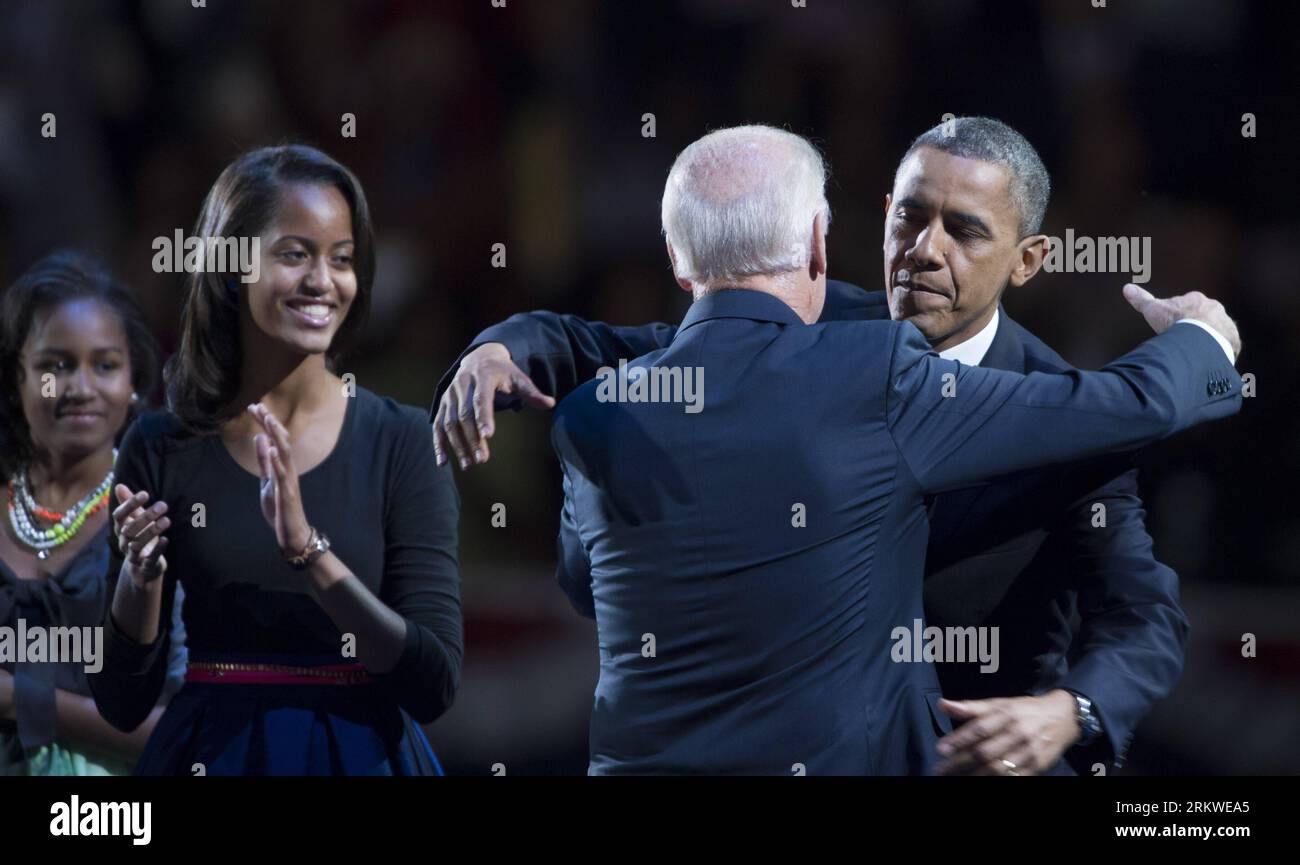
(464, 420)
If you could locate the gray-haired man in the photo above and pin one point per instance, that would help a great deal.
(1017, 557)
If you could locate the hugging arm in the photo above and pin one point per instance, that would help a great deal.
(955, 424)
(533, 359)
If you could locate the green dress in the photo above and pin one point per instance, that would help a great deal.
(52, 759)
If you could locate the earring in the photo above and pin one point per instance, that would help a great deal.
(135, 397)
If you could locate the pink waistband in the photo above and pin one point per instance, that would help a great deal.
(277, 674)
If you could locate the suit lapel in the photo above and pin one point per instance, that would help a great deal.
(1007, 351)
(948, 512)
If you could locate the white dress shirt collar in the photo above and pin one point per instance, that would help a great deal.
(972, 351)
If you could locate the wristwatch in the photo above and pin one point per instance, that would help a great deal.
(1089, 724)
(317, 546)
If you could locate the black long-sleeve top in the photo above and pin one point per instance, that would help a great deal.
(71, 598)
(391, 516)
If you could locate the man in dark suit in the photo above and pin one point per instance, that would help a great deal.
(929, 257)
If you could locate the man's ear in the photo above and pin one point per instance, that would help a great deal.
(685, 284)
(817, 261)
(1033, 250)
(889, 203)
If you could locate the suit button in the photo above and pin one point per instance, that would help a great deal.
(1209, 389)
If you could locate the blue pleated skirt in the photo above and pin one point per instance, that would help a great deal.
(259, 729)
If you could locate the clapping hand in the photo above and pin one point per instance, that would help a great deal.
(139, 532)
(280, 497)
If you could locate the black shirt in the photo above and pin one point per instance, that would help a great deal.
(391, 516)
(72, 598)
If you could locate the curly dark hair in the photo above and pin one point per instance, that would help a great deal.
(54, 280)
(202, 377)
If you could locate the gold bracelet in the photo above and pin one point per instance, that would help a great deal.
(317, 546)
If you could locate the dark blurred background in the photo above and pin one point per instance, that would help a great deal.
(523, 125)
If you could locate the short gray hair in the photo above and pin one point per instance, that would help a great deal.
(990, 140)
(741, 202)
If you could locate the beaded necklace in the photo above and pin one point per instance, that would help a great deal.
(42, 529)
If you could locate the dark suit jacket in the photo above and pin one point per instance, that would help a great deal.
(1076, 593)
(1026, 553)
(734, 639)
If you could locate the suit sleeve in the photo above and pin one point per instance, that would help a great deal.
(178, 653)
(132, 678)
(955, 424)
(1128, 651)
(560, 352)
(422, 575)
(847, 302)
(573, 571)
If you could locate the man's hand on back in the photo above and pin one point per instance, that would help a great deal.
(464, 420)
(1008, 735)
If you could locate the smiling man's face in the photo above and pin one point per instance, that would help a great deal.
(952, 244)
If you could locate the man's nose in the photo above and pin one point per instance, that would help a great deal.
(929, 249)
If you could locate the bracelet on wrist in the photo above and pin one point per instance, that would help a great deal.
(317, 545)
